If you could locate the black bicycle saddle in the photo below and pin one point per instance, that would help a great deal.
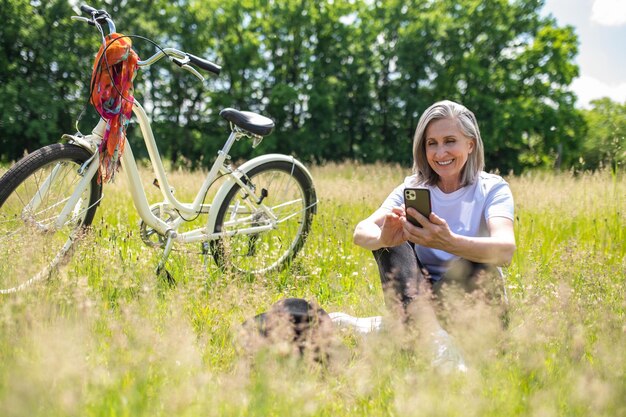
(249, 121)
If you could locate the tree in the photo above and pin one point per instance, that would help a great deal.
(605, 142)
(44, 65)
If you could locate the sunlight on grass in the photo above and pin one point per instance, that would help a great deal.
(105, 337)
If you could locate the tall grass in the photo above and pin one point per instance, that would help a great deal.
(105, 337)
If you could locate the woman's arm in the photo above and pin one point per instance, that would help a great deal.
(496, 249)
(382, 229)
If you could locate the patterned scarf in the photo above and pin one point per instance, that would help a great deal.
(112, 87)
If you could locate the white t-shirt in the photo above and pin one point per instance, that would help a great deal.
(466, 211)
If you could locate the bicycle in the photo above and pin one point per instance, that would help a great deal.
(257, 221)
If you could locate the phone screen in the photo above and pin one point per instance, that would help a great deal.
(419, 199)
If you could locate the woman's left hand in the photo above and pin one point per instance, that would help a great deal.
(434, 233)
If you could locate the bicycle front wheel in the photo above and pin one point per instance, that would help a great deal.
(263, 237)
(32, 195)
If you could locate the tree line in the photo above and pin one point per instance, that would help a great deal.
(343, 79)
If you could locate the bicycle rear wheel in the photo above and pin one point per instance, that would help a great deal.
(32, 195)
(289, 196)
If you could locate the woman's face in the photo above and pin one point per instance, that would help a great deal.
(447, 150)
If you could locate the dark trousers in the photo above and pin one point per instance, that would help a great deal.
(403, 281)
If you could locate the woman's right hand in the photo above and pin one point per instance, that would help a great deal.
(392, 228)
(383, 229)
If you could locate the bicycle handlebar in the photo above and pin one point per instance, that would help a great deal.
(87, 9)
(180, 58)
(100, 17)
(204, 64)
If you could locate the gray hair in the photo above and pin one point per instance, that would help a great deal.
(447, 109)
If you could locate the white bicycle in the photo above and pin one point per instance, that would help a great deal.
(257, 221)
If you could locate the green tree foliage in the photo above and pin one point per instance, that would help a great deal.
(605, 143)
(41, 92)
(343, 79)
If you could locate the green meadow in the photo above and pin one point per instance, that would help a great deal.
(105, 337)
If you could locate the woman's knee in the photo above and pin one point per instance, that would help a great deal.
(399, 273)
(396, 262)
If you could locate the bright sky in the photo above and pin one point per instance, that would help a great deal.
(601, 29)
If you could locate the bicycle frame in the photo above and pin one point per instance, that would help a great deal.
(141, 202)
(137, 191)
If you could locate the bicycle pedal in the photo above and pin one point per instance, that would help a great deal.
(205, 248)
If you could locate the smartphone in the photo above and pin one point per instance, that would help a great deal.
(419, 199)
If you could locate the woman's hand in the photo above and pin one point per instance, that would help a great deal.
(392, 228)
(434, 233)
(383, 229)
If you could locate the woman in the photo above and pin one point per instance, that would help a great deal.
(470, 229)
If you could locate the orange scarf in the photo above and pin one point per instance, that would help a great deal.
(112, 87)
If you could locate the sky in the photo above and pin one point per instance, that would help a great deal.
(601, 29)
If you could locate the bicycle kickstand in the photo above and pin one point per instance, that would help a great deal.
(166, 253)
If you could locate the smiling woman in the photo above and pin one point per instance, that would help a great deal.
(469, 232)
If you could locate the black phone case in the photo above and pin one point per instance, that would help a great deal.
(419, 199)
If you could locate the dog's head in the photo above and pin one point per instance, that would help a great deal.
(297, 323)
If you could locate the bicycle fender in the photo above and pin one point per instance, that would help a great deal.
(89, 142)
(80, 141)
(243, 169)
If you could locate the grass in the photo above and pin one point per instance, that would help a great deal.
(106, 338)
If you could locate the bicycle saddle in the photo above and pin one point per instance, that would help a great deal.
(252, 122)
